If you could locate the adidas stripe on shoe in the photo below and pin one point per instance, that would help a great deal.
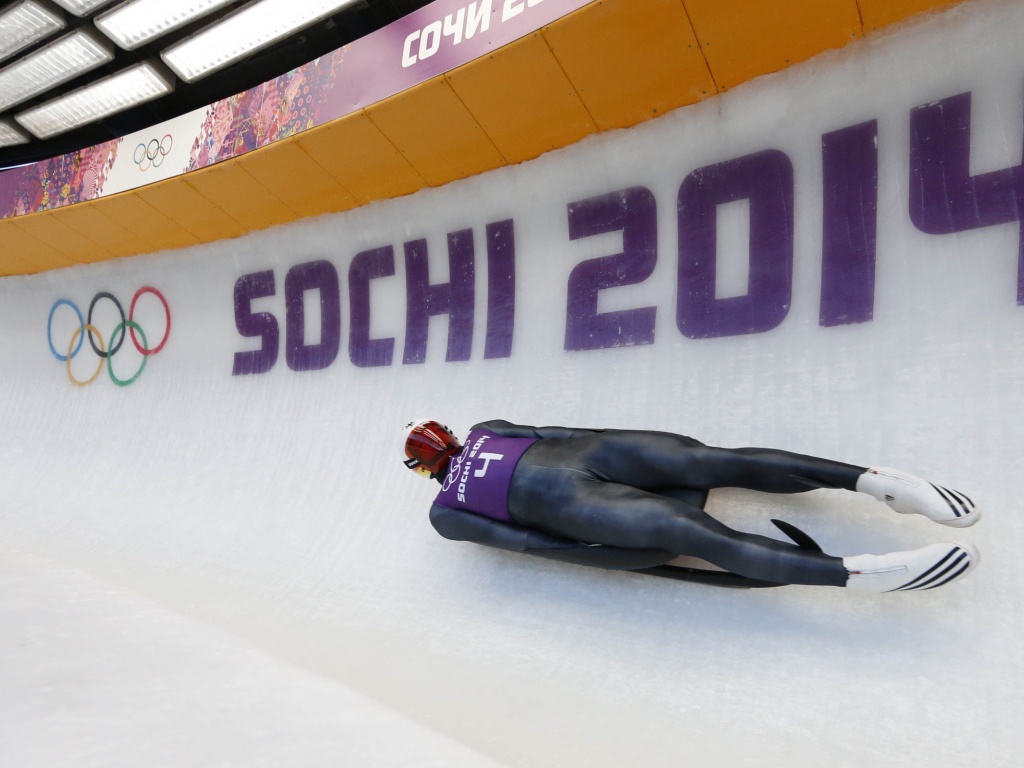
(921, 569)
(908, 494)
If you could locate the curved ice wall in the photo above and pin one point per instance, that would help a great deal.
(826, 260)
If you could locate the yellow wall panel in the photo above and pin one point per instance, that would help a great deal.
(880, 13)
(10, 266)
(133, 213)
(743, 39)
(435, 132)
(296, 179)
(21, 240)
(522, 99)
(89, 221)
(239, 195)
(13, 258)
(361, 159)
(193, 212)
(630, 61)
(48, 228)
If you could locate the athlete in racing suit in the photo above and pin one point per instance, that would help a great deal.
(633, 500)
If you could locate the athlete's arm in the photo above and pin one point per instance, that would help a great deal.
(458, 525)
(507, 429)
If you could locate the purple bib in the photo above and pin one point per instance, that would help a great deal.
(478, 479)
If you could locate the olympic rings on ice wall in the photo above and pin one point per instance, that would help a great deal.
(105, 352)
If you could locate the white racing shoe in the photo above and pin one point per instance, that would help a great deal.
(933, 566)
(912, 495)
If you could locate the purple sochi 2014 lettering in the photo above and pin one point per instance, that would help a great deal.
(944, 197)
(454, 298)
(766, 179)
(849, 224)
(632, 211)
(260, 324)
(501, 289)
(362, 350)
(423, 300)
(318, 276)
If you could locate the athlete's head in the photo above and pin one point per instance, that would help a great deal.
(428, 447)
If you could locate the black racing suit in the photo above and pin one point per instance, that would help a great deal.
(633, 500)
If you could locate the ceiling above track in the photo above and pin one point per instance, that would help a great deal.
(326, 35)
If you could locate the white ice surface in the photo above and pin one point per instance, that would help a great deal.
(93, 674)
(248, 556)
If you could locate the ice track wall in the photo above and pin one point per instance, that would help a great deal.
(826, 260)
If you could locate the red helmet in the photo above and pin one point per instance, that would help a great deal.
(428, 447)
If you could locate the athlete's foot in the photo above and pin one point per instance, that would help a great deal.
(912, 495)
(933, 566)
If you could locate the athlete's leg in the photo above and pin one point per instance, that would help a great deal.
(657, 460)
(695, 497)
(618, 515)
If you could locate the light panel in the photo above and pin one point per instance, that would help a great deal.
(10, 135)
(254, 27)
(85, 7)
(57, 63)
(139, 21)
(24, 24)
(128, 88)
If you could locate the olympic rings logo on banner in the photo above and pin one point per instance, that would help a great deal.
(152, 155)
(105, 352)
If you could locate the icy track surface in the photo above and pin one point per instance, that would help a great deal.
(210, 569)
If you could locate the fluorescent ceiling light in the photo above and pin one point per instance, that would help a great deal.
(138, 21)
(254, 27)
(10, 135)
(25, 24)
(57, 63)
(84, 7)
(128, 88)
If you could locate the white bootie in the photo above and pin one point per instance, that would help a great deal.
(933, 566)
(912, 495)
